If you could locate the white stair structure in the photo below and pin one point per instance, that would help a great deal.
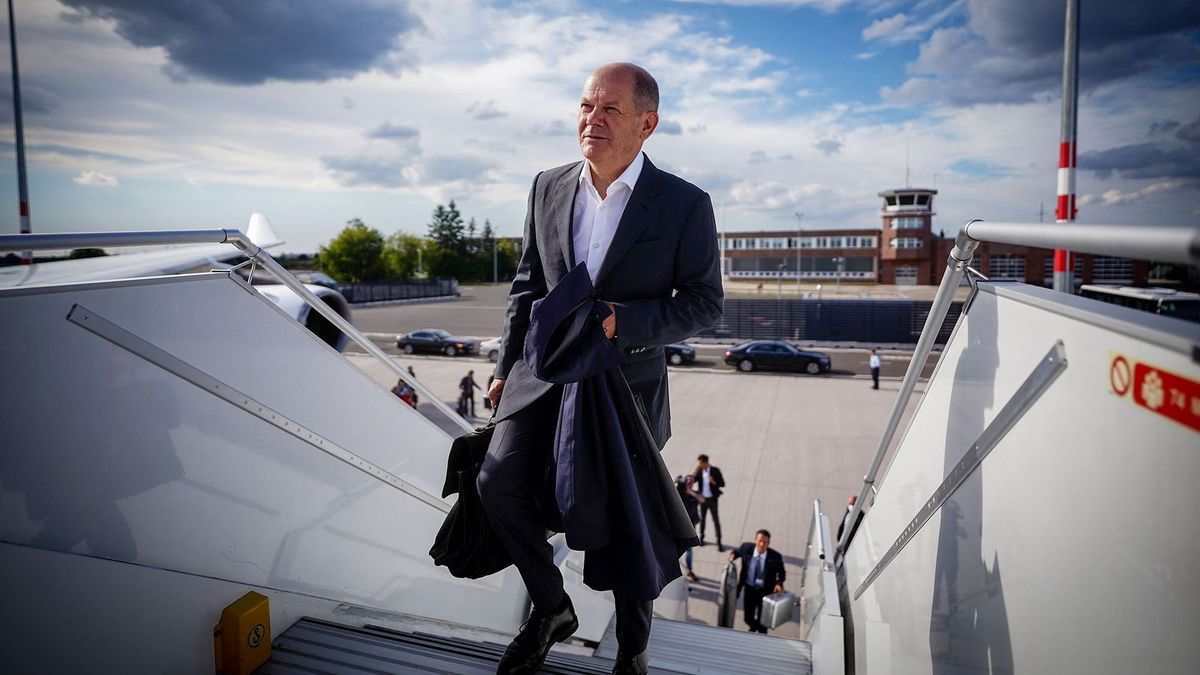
(1039, 513)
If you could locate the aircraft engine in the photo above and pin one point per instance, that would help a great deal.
(299, 310)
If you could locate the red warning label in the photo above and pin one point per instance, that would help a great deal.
(1119, 376)
(1163, 392)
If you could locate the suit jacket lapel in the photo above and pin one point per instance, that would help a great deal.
(638, 214)
(561, 212)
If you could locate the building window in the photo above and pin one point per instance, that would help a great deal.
(777, 243)
(906, 274)
(1006, 267)
(922, 200)
(1048, 268)
(906, 242)
(1112, 270)
(835, 242)
(908, 223)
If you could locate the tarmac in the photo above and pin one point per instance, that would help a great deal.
(781, 440)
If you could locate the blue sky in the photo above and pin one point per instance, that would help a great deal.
(143, 114)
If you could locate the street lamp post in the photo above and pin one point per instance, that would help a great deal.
(799, 246)
(779, 290)
(841, 265)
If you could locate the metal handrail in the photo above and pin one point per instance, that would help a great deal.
(1173, 244)
(52, 241)
(1160, 243)
(956, 266)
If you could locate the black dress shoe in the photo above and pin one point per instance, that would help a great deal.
(636, 664)
(528, 650)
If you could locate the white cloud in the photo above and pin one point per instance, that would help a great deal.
(1117, 197)
(884, 28)
(404, 140)
(96, 179)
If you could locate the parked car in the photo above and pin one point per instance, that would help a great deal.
(435, 340)
(679, 354)
(776, 355)
(491, 349)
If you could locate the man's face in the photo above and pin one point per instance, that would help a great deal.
(761, 541)
(703, 464)
(611, 131)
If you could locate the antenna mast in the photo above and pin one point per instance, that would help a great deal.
(18, 123)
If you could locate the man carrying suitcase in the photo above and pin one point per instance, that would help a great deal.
(762, 574)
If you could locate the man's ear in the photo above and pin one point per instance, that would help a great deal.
(649, 124)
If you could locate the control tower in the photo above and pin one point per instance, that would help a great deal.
(906, 245)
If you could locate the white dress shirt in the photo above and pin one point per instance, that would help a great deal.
(595, 219)
(874, 361)
(758, 566)
(706, 483)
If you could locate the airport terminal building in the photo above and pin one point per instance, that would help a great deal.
(904, 251)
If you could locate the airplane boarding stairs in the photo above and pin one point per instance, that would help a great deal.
(675, 648)
(177, 441)
(1039, 513)
(173, 442)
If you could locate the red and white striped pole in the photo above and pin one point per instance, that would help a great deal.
(1065, 213)
(18, 123)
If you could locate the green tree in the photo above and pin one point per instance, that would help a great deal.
(401, 255)
(449, 254)
(355, 255)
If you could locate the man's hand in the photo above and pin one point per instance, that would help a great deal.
(778, 588)
(731, 557)
(494, 391)
(610, 323)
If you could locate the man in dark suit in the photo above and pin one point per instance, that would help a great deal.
(648, 239)
(762, 574)
(708, 483)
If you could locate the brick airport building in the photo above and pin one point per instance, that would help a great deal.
(904, 251)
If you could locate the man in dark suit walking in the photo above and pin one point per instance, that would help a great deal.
(762, 574)
(648, 239)
(708, 483)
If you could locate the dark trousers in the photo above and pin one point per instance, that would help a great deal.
(466, 404)
(710, 506)
(511, 478)
(875, 377)
(752, 607)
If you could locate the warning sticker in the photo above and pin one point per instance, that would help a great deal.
(1119, 376)
(1160, 391)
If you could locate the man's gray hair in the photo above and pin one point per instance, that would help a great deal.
(645, 88)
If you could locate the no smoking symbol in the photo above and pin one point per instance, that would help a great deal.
(256, 635)
(1119, 376)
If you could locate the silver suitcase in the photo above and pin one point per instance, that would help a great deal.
(777, 609)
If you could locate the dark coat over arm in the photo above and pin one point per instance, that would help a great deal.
(615, 497)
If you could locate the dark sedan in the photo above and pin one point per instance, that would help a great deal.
(436, 341)
(679, 354)
(776, 355)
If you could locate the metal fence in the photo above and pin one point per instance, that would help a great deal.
(392, 291)
(871, 321)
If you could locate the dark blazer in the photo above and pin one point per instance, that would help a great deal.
(773, 571)
(718, 481)
(614, 496)
(662, 271)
